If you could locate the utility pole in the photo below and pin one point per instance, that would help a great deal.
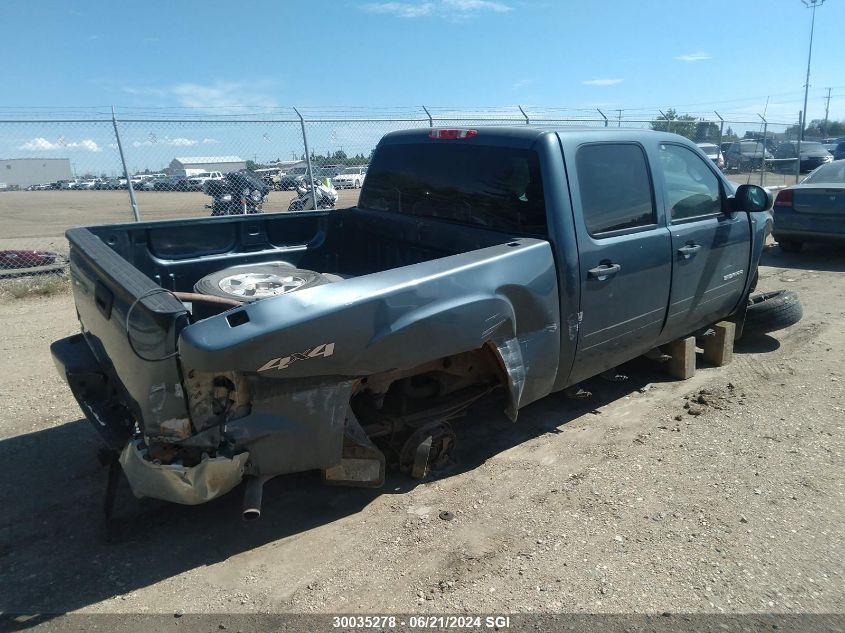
(810, 4)
(826, 111)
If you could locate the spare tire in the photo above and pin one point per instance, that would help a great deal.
(771, 311)
(258, 281)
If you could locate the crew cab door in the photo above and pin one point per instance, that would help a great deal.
(624, 255)
(711, 246)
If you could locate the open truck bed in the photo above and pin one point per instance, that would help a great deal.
(417, 314)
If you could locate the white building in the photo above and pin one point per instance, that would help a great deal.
(193, 165)
(34, 171)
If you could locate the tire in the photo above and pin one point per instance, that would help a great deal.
(295, 205)
(357, 184)
(790, 246)
(772, 311)
(281, 278)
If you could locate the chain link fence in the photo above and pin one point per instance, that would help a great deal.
(61, 173)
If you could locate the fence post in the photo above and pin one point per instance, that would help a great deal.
(602, 116)
(428, 114)
(527, 122)
(721, 129)
(308, 160)
(763, 160)
(668, 122)
(129, 188)
(798, 146)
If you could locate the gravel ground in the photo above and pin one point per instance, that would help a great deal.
(723, 493)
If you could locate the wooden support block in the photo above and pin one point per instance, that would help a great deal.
(682, 363)
(719, 348)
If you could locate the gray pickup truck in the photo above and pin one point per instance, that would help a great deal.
(513, 258)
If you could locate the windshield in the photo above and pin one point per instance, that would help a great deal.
(812, 147)
(752, 146)
(833, 173)
(493, 187)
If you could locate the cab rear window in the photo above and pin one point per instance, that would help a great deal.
(487, 186)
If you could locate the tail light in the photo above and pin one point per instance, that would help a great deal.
(451, 135)
(784, 198)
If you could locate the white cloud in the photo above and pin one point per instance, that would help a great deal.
(694, 57)
(39, 143)
(87, 144)
(522, 83)
(400, 9)
(210, 141)
(602, 82)
(459, 9)
(222, 97)
(172, 142)
(42, 144)
(467, 6)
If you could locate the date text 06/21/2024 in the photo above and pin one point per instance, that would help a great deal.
(421, 621)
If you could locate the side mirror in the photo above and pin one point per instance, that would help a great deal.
(751, 198)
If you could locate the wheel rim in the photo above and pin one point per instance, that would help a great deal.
(260, 285)
(764, 296)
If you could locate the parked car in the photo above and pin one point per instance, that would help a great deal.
(25, 259)
(813, 210)
(69, 184)
(159, 183)
(195, 183)
(88, 183)
(350, 177)
(270, 176)
(337, 340)
(838, 151)
(713, 153)
(813, 154)
(745, 155)
(293, 178)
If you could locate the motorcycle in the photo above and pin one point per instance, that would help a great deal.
(326, 197)
(239, 193)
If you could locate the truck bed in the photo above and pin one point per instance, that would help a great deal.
(347, 242)
(408, 290)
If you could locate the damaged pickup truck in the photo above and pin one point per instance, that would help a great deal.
(513, 258)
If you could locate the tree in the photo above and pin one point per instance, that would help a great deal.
(729, 135)
(250, 165)
(706, 132)
(684, 124)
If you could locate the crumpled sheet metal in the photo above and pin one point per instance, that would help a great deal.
(530, 371)
(209, 479)
(511, 355)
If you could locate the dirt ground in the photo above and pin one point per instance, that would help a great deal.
(627, 502)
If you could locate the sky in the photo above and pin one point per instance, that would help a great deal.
(365, 57)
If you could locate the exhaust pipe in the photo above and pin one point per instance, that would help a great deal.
(252, 497)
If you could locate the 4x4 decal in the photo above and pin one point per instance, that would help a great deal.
(325, 350)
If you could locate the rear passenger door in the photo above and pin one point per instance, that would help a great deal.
(624, 255)
(711, 246)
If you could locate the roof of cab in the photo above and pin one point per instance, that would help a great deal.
(528, 134)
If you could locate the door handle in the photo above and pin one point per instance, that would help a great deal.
(688, 250)
(604, 271)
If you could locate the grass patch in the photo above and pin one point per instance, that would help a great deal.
(34, 286)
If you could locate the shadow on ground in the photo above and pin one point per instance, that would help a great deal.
(54, 554)
(822, 257)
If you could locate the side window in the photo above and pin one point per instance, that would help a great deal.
(692, 189)
(615, 187)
